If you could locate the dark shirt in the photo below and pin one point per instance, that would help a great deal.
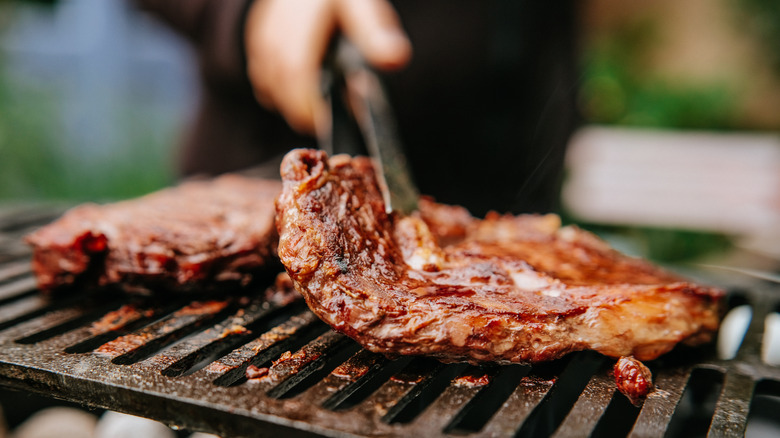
(485, 108)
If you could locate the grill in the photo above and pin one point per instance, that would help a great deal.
(185, 363)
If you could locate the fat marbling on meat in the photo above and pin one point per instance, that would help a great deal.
(440, 283)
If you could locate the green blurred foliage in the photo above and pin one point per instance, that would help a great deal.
(28, 161)
(762, 18)
(672, 246)
(35, 164)
(666, 245)
(617, 89)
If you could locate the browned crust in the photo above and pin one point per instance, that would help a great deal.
(511, 289)
(192, 237)
(633, 379)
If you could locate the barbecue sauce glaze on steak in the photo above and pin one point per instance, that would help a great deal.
(507, 289)
(196, 236)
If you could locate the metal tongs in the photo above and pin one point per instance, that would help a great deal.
(362, 122)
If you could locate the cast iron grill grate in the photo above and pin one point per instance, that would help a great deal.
(185, 363)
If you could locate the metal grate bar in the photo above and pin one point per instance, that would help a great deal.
(731, 410)
(435, 418)
(16, 289)
(657, 410)
(750, 349)
(139, 345)
(24, 218)
(349, 380)
(589, 408)
(400, 390)
(268, 346)
(185, 363)
(17, 221)
(483, 406)
(11, 250)
(119, 322)
(57, 322)
(10, 271)
(568, 385)
(24, 309)
(519, 406)
(292, 370)
(216, 341)
(422, 394)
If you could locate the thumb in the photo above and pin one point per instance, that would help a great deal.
(373, 26)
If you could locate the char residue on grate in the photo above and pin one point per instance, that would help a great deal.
(237, 365)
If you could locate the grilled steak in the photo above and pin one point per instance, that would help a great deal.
(504, 289)
(196, 236)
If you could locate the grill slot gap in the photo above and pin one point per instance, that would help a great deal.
(169, 331)
(697, 404)
(763, 420)
(480, 409)
(359, 390)
(335, 354)
(264, 357)
(568, 386)
(618, 419)
(66, 326)
(423, 394)
(736, 298)
(207, 354)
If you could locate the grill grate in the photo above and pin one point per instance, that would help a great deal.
(183, 363)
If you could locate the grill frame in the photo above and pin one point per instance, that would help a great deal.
(402, 397)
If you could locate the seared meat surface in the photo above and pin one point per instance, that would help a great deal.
(633, 379)
(196, 236)
(441, 283)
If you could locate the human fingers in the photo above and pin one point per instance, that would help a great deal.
(286, 41)
(373, 26)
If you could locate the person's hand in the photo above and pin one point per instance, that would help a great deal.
(286, 41)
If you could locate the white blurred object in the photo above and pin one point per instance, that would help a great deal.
(57, 423)
(116, 425)
(732, 331)
(725, 182)
(770, 348)
(203, 435)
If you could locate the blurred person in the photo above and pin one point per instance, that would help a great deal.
(483, 91)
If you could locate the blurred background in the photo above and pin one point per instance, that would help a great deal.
(93, 95)
(678, 159)
(681, 103)
(682, 153)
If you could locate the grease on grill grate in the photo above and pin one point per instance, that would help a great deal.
(232, 365)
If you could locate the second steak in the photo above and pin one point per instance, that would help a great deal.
(196, 236)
